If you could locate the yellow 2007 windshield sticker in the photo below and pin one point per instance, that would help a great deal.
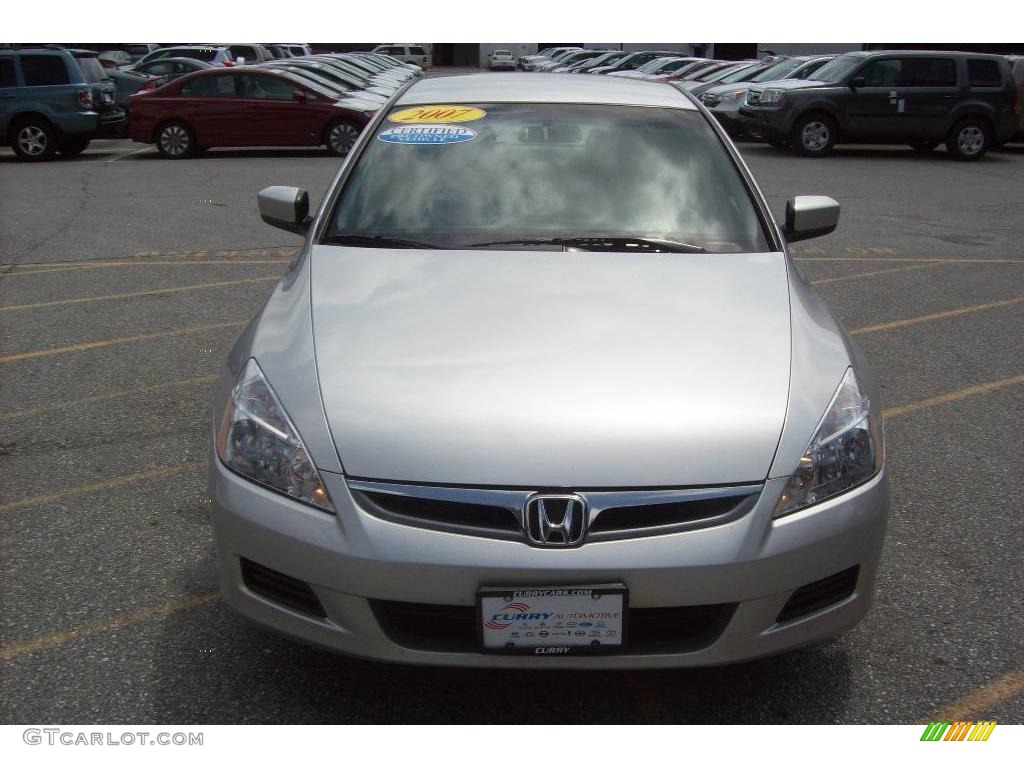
(437, 113)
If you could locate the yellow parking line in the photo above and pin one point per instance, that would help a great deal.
(935, 316)
(276, 250)
(113, 395)
(103, 264)
(88, 345)
(130, 618)
(873, 273)
(983, 699)
(952, 397)
(137, 294)
(114, 482)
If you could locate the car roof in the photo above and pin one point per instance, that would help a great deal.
(899, 52)
(547, 88)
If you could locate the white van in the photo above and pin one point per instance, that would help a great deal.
(410, 54)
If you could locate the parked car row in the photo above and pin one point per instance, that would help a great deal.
(969, 102)
(54, 99)
(301, 101)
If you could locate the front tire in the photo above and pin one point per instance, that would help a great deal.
(340, 137)
(970, 139)
(174, 140)
(34, 140)
(71, 146)
(814, 135)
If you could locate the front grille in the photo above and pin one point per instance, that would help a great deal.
(497, 513)
(282, 589)
(648, 516)
(464, 517)
(453, 629)
(819, 595)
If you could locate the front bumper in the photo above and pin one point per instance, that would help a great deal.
(113, 123)
(728, 115)
(353, 559)
(765, 123)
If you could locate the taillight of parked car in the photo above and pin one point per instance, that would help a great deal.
(85, 98)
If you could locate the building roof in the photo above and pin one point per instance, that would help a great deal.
(544, 88)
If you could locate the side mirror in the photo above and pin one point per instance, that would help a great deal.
(285, 207)
(857, 82)
(809, 216)
(299, 96)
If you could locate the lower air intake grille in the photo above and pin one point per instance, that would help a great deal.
(452, 628)
(819, 595)
(278, 588)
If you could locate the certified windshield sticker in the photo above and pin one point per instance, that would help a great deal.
(427, 134)
(437, 113)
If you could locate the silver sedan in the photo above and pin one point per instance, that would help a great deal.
(543, 388)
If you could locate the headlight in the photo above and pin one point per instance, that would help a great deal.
(844, 451)
(257, 440)
(732, 96)
(772, 96)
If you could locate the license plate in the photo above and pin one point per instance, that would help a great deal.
(553, 621)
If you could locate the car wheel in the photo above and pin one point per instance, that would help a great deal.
(814, 135)
(69, 147)
(970, 139)
(340, 136)
(174, 140)
(923, 146)
(33, 140)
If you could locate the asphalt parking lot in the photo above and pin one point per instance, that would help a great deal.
(126, 277)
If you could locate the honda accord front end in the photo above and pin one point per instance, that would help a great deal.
(544, 388)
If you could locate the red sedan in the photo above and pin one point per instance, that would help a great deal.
(244, 107)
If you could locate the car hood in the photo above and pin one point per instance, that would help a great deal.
(789, 85)
(728, 88)
(552, 369)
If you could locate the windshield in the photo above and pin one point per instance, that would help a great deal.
(544, 171)
(607, 59)
(778, 71)
(576, 58)
(653, 64)
(838, 69)
(738, 75)
(711, 71)
(91, 68)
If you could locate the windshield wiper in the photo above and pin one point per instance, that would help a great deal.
(641, 244)
(376, 241)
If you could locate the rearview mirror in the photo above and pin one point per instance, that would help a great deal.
(285, 207)
(857, 82)
(810, 216)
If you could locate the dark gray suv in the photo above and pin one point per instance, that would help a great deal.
(922, 98)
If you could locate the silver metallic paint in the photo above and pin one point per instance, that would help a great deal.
(755, 560)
